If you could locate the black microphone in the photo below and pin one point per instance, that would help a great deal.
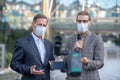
(78, 38)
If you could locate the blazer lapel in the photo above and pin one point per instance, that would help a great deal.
(87, 41)
(34, 48)
(46, 48)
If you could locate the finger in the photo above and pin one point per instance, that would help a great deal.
(41, 71)
(80, 41)
(58, 58)
(50, 62)
(33, 69)
(38, 72)
(85, 58)
(34, 66)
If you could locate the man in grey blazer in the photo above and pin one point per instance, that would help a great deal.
(32, 54)
(91, 46)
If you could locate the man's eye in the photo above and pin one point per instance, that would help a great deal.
(42, 25)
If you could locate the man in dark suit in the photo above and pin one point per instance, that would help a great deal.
(32, 54)
(91, 47)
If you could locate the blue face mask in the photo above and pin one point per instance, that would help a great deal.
(40, 30)
(82, 27)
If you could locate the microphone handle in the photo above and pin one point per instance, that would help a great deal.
(79, 38)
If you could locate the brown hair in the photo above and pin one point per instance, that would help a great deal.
(39, 16)
(83, 13)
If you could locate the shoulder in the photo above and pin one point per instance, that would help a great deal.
(97, 36)
(23, 40)
(48, 41)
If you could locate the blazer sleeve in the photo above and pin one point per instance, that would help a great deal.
(98, 57)
(17, 60)
(52, 54)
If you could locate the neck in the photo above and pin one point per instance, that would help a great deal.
(83, 34)
(40, 37)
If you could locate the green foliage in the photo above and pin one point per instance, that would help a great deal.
(12, 36)
(8, 57)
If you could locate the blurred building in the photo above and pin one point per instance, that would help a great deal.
(19, 14)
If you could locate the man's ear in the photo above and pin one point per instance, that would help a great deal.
(90, 23)
(32, 23)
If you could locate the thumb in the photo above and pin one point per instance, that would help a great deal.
(34, 66)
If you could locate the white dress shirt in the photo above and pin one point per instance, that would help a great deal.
(40, 46)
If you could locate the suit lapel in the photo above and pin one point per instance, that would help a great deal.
(87, 41)
(34, 47)
(46, 48)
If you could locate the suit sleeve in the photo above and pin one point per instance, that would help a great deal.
(51, 57)
(17, 63)
(98, 58)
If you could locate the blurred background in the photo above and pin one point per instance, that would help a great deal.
(16, 18)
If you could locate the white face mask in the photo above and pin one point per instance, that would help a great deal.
(40, 30)
(82, 27)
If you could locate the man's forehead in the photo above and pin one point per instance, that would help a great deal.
(41, 19)
(83, 17)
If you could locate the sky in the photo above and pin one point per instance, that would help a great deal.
(103, 3)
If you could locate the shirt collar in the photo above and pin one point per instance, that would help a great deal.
(34, 36)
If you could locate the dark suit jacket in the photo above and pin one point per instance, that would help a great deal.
(26, 55)
(92, 49)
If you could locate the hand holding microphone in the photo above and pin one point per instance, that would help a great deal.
(79, 43)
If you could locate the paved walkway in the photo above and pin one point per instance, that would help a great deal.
(110, 71)
(57, 75)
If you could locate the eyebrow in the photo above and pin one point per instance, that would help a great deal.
(82, 21)
(42, 24)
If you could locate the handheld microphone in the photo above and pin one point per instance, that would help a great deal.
(78, 37)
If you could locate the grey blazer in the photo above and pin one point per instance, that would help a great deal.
(93, 49)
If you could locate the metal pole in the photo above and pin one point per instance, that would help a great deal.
(3, 55)
(44, 7)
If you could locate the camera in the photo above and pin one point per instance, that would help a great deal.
(71, 63)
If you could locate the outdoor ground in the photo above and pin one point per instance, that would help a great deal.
(9, 76)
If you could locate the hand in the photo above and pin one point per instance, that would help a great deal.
(85, 60)
(50, 62)
(34, 71)
(58, 58)
(78, 44)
